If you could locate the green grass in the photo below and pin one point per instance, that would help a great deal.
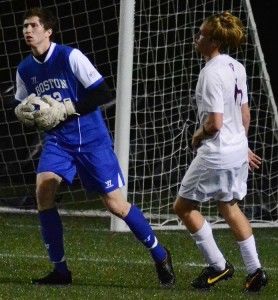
(109, 265)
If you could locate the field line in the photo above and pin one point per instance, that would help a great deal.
(185, 264)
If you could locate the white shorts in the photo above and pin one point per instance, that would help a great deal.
(202, 184)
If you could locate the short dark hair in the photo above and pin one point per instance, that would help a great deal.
(46, 17)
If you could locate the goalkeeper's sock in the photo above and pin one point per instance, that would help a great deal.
(61, 267)
(249, 254)
(141, 228)
(52, 234)
(205, 242)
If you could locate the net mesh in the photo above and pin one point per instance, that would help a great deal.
(164, 115)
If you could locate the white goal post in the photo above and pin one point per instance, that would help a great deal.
(159, 88)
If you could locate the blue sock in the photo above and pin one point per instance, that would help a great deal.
(144, 233)
(52, 234)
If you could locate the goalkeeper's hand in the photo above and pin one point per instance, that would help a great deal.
(57, 112)
(24, 111)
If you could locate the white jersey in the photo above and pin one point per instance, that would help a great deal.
(222, 88)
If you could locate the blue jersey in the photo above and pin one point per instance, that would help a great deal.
(65, 73)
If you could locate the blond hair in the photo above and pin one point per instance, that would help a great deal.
(226, 30)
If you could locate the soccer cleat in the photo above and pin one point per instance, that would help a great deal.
(165, 271)
(54, 278)
(209, 276)
(254, 282)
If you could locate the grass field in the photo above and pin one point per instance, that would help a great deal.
(109, 265)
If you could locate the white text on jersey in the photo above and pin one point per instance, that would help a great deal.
(51, 83)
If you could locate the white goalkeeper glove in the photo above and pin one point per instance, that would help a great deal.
(24, 111)
(57, 112)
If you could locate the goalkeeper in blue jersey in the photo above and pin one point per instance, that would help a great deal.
(76, 141)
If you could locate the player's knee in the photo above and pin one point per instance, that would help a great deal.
(46, 188)
(120, 211)
(116, 204)
(182, 207)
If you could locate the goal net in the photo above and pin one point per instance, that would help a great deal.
(163, 115)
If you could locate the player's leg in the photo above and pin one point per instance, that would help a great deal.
(200, 230)
(99, 170)
(242, 231)
(51, 229)
(52, 162)
(138, 224)
(198, 185)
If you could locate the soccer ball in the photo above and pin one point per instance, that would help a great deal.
(38, 104)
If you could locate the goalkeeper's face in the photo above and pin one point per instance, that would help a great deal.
(35, 34)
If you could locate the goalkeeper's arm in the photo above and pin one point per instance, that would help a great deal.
(94, 98)
(60, 111)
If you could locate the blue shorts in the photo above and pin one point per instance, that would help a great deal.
(98, 167)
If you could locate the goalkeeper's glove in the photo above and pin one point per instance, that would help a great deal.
(57, 112)
(24, 111)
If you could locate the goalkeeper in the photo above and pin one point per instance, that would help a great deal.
(76, 140)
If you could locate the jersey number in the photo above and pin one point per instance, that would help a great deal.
(57, 96)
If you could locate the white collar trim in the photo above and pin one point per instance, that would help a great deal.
(50, 51)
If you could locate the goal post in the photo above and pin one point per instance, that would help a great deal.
(155, 76)
(123, 97)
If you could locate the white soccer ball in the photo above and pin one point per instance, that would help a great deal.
(38, 104)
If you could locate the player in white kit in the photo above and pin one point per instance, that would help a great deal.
(220, 169)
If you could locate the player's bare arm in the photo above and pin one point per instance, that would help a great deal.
(254, 160)
(245, 112)
(211, 126)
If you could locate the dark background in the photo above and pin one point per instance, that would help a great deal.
(157, 115)
(265, 14)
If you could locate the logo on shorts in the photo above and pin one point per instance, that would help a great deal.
(108, 184)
